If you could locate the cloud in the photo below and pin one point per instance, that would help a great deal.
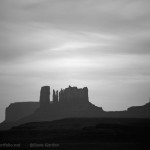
(103, 27)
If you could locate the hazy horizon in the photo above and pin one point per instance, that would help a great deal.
(100, 44)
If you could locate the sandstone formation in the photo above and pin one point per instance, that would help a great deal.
(71, 102)
(16, 111)
(139, 111)
(68, 96)
(44, 96)
(73, 95)
(55, 97)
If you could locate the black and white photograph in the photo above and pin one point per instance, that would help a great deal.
(75, 74)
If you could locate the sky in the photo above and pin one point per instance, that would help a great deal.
(100, 44)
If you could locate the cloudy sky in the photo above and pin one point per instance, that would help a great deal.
(101, 44)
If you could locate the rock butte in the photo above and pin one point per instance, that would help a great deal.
(66, 103)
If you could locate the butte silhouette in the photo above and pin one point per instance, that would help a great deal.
(71, 102)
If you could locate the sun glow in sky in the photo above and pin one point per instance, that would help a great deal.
(101, 44)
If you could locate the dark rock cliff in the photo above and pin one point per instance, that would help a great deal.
(18, 110)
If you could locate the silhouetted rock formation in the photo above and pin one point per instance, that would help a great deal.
(73, 95)
(55, 96)
(139, 111)
(71, 102)
(16, 111)
(44, 97)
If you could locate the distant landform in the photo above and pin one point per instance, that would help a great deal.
(71, 102)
